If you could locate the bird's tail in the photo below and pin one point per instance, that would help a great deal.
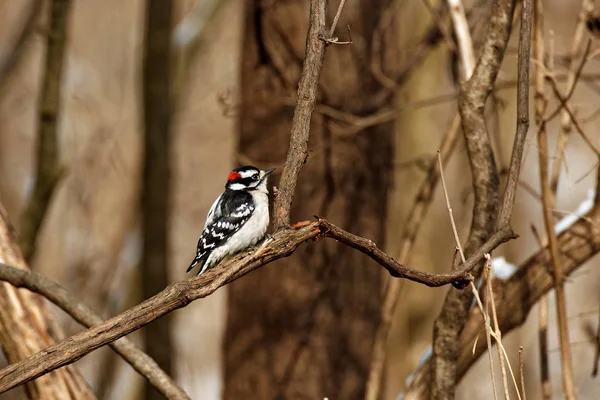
(193, 264)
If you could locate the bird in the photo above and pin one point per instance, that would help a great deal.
(237, 219)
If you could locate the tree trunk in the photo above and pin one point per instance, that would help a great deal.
(155, 193)
(304, 328)
(27, 326)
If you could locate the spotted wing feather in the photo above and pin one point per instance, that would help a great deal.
(227, 216)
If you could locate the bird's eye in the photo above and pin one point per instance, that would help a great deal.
(255, 177)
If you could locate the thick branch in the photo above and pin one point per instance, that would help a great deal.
(485, 181)
(180, 294)
(27, 326)
(307, 95)
(48, 170)
(516, 297)
(139, 360)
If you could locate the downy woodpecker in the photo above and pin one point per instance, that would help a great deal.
(237, 219)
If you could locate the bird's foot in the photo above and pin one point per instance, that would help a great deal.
(259, 251)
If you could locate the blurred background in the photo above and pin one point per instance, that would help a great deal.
(159, 100)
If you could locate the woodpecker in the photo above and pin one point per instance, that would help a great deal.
(237, 219)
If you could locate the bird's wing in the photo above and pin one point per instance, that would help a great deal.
(214, 212)
(227, 216)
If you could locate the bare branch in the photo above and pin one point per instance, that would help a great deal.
(522, 373)
(139, 360)
(48, 171)
(597, 350)
(543, 308)
(514, 171)
(416, 214)
(27, 326)
(307, 94)
(180, 294)
(548, 205)
(485, 182)
(463, 35)
(516, 296)
(336, 18)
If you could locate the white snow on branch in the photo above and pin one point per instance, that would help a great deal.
(581, 210)
(502, 269)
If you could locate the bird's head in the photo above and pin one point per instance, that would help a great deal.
(248, 178)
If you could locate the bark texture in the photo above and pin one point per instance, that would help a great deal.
(304, 327)
(28, 326)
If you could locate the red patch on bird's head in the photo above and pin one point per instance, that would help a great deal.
(233, 176)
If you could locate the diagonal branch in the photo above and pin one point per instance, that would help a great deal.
(180, 294)
(48, 169)
(307, 95)
(139, 360)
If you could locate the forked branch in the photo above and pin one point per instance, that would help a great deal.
(180, 294)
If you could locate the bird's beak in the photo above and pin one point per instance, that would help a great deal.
(267, 172)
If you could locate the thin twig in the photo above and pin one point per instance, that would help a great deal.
(548, 205)
(597, 350)
(488, 279)
(497, 333)
(386, 18)
(573, 78)
(543, 308)
(571, 115)
(132, 354)
(336, 18)
(522, 373)
(463, 36)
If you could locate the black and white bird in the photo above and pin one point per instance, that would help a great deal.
(238, 218)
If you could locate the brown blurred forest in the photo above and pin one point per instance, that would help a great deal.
(120, 120)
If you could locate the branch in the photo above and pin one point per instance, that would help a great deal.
(547, 207)
(139, 360)
(307, 94)
(485, 182)
(463, 36)
(49, 171)
(416, 214)
(514, 171)
(570, 115)
(180, 294)
(516, 297)
(27, 325)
